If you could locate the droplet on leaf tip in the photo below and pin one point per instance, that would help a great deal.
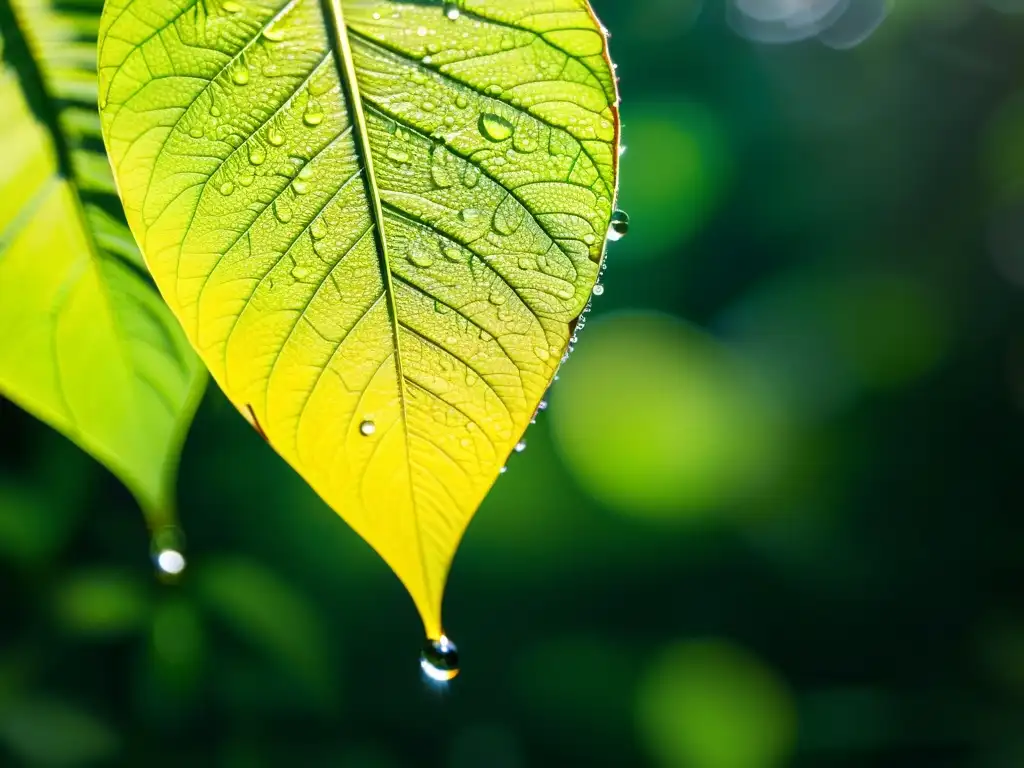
(520, 446)
(439, 660)
(167, 547)
(619, 226)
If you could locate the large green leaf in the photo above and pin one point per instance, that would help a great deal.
(378, 223)
(87, 344)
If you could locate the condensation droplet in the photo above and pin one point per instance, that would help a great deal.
(240, 74)
(589, 238)
(230, 6)
(471, 215)
(275, 137)
(318, 229)
(300, 187)
(257, 156)
(314, 114)
(495, 128)
(398, 155)
(520, 446)
(439, 660)
(619, 226)
(274, 34)
(599, 290)
(367, 428)
(227, 188)
(167, 548)
(300, 273)
(282, 211)
(451, 10)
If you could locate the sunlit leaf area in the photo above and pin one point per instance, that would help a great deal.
(769, 514)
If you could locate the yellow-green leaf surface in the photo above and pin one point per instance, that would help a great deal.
(87, 344)
(377, 222)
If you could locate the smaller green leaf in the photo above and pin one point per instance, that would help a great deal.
(88, 345)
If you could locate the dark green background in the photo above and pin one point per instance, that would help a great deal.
(771, 518)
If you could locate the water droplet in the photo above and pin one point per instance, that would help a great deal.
(274, 34)
(314, 114)
(520, 446)
(543, 405)
(196, 132)
(240, 74)
(300, 187)
(503, 470)
(461, 102)
(227, 188)
(300, 273)
(619, 226)
(451, 10)
(167, 547)
(498, 298)
(589, 239)
(275, 137)
(215, 111)
(599, 290)
(439, 660)
(257, 156)
(441, 308)
(282, 211)
(398, 155)
(495, 128)
(318, 229)
(471, 215)
(367, 428)
(230, 6)
(420, 257)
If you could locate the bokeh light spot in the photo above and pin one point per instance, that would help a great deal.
(712, 705)
(656, 419)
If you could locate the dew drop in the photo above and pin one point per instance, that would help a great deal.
(367, 428)
(439, 660)
(495, 128)
(543, 405)
(274, 34)
(282, 211)
(300, 187)
(471, 215)
(599, 290)
(240, 75)
(257, 156)
(503, 470)
(619, 226)
(420, 257)
(498, 298)
(227, 188)
(275, 137)
(461, 102)
(589, 239)
(313, 115)
(520, 446)
(318, 229)
(398, 155)
(196, 132)
(300, 273)
(167, 548)
(230, 6)
(451, 10)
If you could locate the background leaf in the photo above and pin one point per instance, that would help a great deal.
(378, 223)
(88, 345)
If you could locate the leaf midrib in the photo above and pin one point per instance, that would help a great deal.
(338, 32)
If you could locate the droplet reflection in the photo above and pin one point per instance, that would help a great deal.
(439, 660)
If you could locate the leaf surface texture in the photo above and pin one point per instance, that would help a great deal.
(377, 222)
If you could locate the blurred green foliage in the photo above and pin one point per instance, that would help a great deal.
(771, 517)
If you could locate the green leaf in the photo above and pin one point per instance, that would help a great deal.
(378, 223)
(88, 346)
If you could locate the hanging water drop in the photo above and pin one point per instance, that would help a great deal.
(543, 405)
(520, 446)
(451, 11)
(599, 290)
(439, 660)
(619, 226)
(495, 128)
(367, 428)
(503, 470)
(167, 547)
